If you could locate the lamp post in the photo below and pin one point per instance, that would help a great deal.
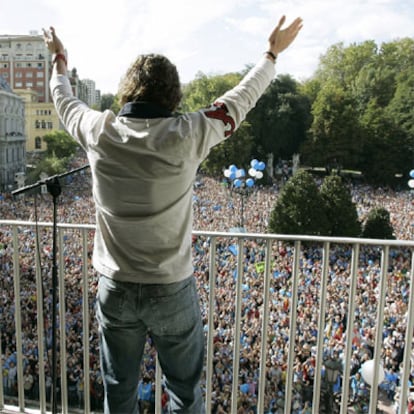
(242, 184)
(333, 368)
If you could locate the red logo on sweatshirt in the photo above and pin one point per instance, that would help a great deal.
(220, 112)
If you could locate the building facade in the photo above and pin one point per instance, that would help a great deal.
(12, 138)
(25, 63)
(92, 96)
(41, 119)
(27, 112)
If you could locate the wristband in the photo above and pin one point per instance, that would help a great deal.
(271, 54)
(60, 56)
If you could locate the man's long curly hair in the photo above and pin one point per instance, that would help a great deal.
(151, 78)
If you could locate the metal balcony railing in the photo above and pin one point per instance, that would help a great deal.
(278, 310)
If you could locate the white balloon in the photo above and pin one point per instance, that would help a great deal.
(252, 172)
(411, 183)
(240, 173)
(367, 372)
(227, 173)
(259, 175)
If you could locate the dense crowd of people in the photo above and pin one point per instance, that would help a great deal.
(216, 209)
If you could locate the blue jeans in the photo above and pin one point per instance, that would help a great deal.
(170, 314)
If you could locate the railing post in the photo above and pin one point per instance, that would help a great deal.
(40, 330)
(408, 343)
(210, 332)
(18, 319)
(1, 372)
(379, 329)
(237, 329)
(62, 325)
(321, 328)
(292, 327)
(265, 323)
(158, 388)
(85, 321)
(350, 325)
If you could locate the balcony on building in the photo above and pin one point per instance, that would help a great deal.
(270, 304)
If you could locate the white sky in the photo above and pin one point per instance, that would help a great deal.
(214, 36)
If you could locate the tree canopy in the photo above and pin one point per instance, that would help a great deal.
(298, 208)
(60, 144)
(378, 225)
(362, 109)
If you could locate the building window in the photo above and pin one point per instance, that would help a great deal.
(40, 65)
(18, 85)
(38, 143)
(50, 125)
(43, 124)
(40, 74)
(19, 74)
(29, 84)
(29, 74)
(37, 124)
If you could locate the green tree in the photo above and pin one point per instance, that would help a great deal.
(107, 100)
(298, 208)
(342, 64)
(335, 134)
(200, 93)
(280, 119)
(378, 225)
(236, 150)
(340, 210)
(401, 107)
(362, 109)
(386, 148)
(401, 111)
(204, 90)
(60, 144)
(50, 166)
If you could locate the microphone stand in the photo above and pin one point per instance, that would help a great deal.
(54, 188)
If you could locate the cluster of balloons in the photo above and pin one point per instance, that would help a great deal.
(411, 181)
(238, 175)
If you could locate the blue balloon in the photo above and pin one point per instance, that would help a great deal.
(232, 175)
(261, 166)
(412, 173)
(253, 163)
(250, 182)
(233, 168)
(237, 183)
